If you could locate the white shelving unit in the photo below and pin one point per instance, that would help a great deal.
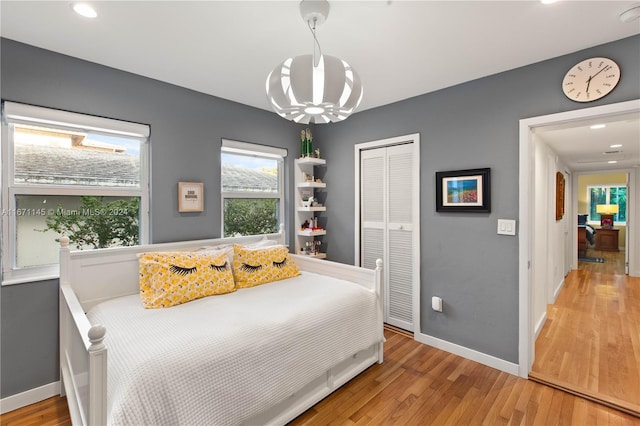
(305, 167)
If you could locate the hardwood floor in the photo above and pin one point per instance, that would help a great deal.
(418, 385)
(50, 412)
(590, 343)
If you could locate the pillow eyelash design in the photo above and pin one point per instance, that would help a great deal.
(250, 268)
(281, 264)
(182, 271)
(219, 268)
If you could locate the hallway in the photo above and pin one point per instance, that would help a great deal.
(590, 343)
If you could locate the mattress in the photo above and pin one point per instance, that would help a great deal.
(223, 359)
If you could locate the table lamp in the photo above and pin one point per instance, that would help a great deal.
(606, 214)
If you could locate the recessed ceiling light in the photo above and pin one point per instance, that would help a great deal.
(85, 9)
(598, 126)
(615, 145)
(547, 1)
(612, 161)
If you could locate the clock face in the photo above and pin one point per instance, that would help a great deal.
(591, 79)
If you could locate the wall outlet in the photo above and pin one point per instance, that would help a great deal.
(436, 303)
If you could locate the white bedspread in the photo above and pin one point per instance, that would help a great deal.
(223, 359)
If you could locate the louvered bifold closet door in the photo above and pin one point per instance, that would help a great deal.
(372, 233)
(387, 226)
(400, 236)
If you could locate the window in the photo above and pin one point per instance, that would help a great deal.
(252, 188)
(69, 174)
(608, 194)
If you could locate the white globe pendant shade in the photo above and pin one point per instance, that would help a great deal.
(300, 92)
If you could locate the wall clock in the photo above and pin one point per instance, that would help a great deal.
(591, 79)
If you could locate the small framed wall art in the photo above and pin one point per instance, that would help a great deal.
(464, 191)
(190, 196)
(559, 196)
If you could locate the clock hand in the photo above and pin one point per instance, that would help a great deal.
(591, 77)
(603, 69)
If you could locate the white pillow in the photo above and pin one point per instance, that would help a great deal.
(264, 242)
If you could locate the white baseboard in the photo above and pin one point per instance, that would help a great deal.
(29, 397)
(473, 355)
(540, 324)
(557, 291)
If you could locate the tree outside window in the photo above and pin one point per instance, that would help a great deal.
(608, 195)
(69, 174)
(252, 193)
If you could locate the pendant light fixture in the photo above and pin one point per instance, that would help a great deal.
(314, 88)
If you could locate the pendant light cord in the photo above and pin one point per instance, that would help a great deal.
(316, 61)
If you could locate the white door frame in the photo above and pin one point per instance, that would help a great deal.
(526, 339)
(414, 140)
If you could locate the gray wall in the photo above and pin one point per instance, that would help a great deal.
(471, 125)
(29, 336)
(186, 132)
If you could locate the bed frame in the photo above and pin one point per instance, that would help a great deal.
(90, 277)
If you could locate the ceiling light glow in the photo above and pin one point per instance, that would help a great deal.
(548, 1)
(612, 161)
(85, 9)
(598, 126)
(615, 145)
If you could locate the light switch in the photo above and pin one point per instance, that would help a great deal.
(506, 227)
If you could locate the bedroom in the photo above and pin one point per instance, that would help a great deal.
(187, 127)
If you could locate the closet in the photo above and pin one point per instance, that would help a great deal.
(388, 218)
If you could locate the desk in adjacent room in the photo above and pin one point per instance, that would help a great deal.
(607, 239)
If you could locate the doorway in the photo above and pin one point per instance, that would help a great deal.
(527, 247)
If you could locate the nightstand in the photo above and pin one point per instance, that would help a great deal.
(607, 239)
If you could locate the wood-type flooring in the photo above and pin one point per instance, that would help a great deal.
(421, 385)
(590, 342)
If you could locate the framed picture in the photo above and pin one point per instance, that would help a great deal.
(464, 191)
(559, 196)
(190, 196)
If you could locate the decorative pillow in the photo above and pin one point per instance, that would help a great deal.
(172, 278)
(253, 267)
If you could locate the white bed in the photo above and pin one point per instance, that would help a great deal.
(260, 355)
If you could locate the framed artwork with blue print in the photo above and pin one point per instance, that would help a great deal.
(464, 191)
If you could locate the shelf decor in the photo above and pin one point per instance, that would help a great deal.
(190, 197)
(463, 191)
(308, 188)
(306, 144)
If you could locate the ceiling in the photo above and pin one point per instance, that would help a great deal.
(227, 48)
(583, 149)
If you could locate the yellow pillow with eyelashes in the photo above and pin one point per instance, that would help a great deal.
(257, 266)
(172, 278)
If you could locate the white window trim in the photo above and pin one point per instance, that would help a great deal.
(30, 114)
(254, 150)
(609, 185)
(16, 113)
(247, 148)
